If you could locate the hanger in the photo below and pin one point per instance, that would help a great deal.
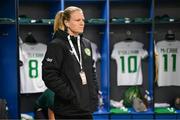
(129, 35)
(30, 38)
(170, 35)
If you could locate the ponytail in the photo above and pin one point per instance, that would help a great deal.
(59, 21)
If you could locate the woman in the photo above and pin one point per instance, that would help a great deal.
(68, 67)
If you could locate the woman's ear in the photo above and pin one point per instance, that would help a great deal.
(66, 23)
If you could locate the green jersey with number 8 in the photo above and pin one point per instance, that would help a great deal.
(30, 73)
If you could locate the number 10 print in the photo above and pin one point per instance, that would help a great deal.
(130, 60)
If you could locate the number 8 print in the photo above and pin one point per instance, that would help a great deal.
(33, 68)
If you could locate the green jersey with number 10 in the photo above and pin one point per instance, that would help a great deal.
(128, 57)
(30, 73)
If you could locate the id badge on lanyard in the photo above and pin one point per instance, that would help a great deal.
(83, 77)
(81, 73)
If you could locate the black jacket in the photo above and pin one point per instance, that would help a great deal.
(60, 72)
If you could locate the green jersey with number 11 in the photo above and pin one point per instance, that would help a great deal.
(168, 63)
(30, 73)
(128, 57)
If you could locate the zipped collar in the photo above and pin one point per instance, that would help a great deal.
(63, 35)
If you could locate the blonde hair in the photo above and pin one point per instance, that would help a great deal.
(61, 16)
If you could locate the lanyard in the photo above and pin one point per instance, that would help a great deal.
(74, 50)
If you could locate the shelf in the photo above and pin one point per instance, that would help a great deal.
(84, 1)
(51, 22)
(103, 111)
(166, 22)
(39, 0)
(34, 24)
(149, 111)
(165, 110)
(95, 23)
(7, 21)
(127, 1)
(132, 111)
(147, 23)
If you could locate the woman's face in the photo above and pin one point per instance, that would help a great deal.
(76, 23)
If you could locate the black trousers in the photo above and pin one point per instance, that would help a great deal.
(74, 117)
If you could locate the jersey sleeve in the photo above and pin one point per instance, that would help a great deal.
(113, 54)
(139, 46)
(20, 52)
(95, 52)
(145, 54)
(98, 53)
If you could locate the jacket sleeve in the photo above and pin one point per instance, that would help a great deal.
(51, 73)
